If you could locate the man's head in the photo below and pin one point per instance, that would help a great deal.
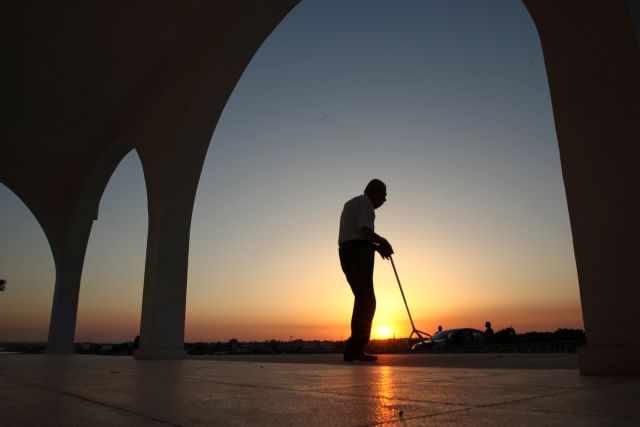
(487, 324)
(377, 192)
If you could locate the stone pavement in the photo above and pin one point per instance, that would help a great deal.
(93, 390)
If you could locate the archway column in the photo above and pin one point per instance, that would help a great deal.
(172, 182)
(593, 66)
(66, 294)
(67, 224)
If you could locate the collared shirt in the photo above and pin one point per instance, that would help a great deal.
(357, 213)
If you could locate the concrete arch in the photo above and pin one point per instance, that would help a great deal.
(162, 90)
(71, 250)
(65, 207)
(26, 262)
(30, 204)
(110, 300)
(173, 142)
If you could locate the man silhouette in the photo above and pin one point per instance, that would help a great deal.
(358, 243)
(488, 332)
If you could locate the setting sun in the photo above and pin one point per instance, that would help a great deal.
(384, 332)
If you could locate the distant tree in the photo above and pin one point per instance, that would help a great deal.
(505, 336)
(570, 334)
(3, 285)
(537, 337)
(136, 342)
(232, 344)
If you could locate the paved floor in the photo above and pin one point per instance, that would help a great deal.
(109, 390)
(451, 360)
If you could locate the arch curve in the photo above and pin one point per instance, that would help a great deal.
(27, 265)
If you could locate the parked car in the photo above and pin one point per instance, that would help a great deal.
(451, 338)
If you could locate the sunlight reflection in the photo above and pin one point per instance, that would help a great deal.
(376, 383)
(386, 408)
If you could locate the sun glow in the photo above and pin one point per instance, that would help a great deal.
(384, 332)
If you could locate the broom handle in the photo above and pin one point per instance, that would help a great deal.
(402, 292)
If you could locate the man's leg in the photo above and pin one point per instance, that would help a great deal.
(356, 260)
(364, 309)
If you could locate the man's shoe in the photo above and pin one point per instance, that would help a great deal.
(362, 357)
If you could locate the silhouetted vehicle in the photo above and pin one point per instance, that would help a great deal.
(451, 338)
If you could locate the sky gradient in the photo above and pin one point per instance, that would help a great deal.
(447, 102)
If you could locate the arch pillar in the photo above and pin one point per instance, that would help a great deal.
(593, 67)
(171, 130)
(66, 293)
(69, 230)
(172, 176)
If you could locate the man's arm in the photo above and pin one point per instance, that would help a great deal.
(383, 245)
(370, 236)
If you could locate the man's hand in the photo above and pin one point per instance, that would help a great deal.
(382, 245)
(385, 250)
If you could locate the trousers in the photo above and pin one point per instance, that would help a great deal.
(356, 260)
